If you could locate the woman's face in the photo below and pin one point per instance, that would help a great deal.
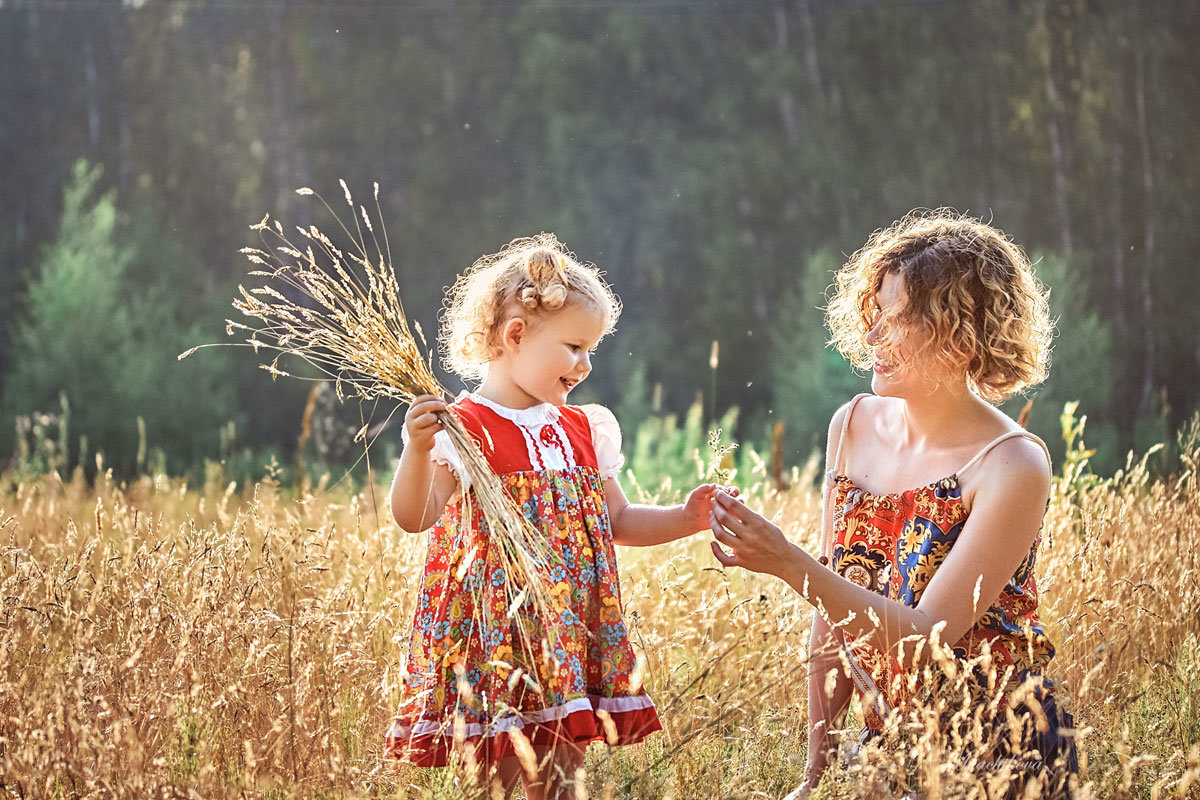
(895, 373)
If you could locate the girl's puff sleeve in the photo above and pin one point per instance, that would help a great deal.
(606, 440)
(444, 453)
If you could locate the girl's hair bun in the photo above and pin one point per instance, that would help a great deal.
(554, 296)
(529, 298)
(546, 271)
(543, 267)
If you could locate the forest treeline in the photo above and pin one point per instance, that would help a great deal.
(719, 159)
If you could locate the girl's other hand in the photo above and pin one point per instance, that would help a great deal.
(699, 504)
(422, 423)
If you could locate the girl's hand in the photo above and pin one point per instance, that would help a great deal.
(422, 423)
(700, 504)
(756, 544)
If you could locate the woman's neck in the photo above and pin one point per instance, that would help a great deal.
(947, 415)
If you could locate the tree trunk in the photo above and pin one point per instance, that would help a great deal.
(787, 103)
(1055, 132)
(118, 20)
(1150, 233)
(1116, 224)
(91, 92)
(809, 37)
(283, 129)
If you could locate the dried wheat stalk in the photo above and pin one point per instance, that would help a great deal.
(352, 327)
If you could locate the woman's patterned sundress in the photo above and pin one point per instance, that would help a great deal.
(893, 544)
(474, 672)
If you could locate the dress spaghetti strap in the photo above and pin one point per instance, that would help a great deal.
(831, 472)
(1003, 438)
(835, 467)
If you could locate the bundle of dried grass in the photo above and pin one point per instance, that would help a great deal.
(341, 312)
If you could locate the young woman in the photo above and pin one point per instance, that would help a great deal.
(933, 507)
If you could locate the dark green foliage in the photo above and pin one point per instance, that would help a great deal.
(809, 380)
(706, 155)
(94, 329)
(1081, 367)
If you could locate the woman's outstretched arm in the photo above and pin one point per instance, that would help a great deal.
(1004, 521)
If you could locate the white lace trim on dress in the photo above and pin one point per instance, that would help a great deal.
(611, 705)
(544, 451)
(534, 416)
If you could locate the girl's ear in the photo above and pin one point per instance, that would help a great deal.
(513, 333)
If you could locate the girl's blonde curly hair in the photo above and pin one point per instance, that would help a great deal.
(970, 291)
(529, 277)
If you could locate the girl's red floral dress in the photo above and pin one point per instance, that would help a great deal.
(475, 672)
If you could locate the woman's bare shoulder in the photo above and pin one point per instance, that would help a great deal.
(865, 412)
(1019, 456)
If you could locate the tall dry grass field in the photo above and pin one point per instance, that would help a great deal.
(161, 639)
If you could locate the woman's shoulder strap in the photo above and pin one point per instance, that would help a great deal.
(1004, 438)
(836, 467)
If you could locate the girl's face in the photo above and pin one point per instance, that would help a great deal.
(895, 372)
(551, 355)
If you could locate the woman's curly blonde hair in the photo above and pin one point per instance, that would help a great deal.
(970, 290)
(530, 276)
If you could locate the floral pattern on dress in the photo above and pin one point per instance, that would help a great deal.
(906, 537)
(477, 668)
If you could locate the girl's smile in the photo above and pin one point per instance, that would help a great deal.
(543, 358)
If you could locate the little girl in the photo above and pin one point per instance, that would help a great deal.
(480, 680)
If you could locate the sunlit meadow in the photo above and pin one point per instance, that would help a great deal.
(210, 638)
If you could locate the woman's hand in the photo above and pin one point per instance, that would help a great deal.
(422, 423)
(756, 544)
(699, 504)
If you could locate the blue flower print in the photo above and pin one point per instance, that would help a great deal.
(613, 633)
(441, 630)
(530, 508)
(569, 617)
(558, 574)
(498, 578)
(474, 578)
